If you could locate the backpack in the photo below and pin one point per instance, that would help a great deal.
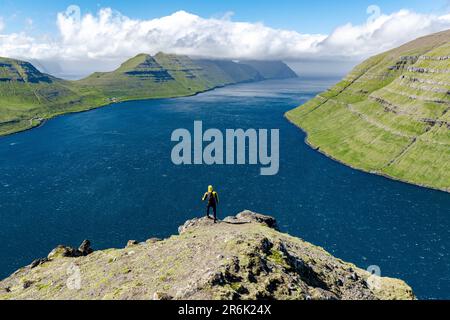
(211, 198)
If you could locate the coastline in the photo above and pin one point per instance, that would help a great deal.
(42, 121)
(316, 148)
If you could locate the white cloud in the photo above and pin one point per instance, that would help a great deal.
(110, 34)
(383, 33)
(109, 37)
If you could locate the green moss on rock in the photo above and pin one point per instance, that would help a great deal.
(238, 258)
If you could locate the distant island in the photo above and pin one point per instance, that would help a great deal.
(28, 97)
(390, 115)
(250, 260)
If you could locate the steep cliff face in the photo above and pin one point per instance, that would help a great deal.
(144, 76)
(272, 69)
(20, 71)
(28, 96)
(390, 115)
(166, 75)
(242, 257)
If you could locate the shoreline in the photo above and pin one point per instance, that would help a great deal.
(380, 174)
(44, 120)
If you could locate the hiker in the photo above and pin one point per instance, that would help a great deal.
(213, 201)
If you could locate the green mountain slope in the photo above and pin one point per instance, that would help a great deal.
(28, 97)
(145, 76)
(169, 75)
(389, 115)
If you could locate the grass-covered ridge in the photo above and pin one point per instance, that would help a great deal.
(29, 97)
(390, 115)
(240, 258)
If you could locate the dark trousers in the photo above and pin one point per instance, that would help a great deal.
(214, 207)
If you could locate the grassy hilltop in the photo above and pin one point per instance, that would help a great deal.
(242, 257)
(28, 97)
(390, 115)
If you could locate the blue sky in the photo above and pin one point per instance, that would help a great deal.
(303, 16)
(318, 35)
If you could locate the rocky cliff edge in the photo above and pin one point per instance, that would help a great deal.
(241, 257)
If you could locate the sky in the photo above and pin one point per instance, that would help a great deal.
(74, 38)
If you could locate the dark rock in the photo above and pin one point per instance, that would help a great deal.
(242, 290)
(38, 262)
(235, 265)
(272, 284)
(69, 252)
(85, 248)
(132, 243)
(251, 278)
(230, 277)
(263, 295)
(305, 270)
(63, 251)
(353, 276)
(26, 284)
(266, 246)
(217, 279)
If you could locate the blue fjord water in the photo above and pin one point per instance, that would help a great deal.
(106, 175)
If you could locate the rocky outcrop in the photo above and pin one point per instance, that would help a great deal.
(69, 252)
(241, 257)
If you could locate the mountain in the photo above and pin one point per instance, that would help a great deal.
(145, 76)
(390, 115)
(169, 75)
(272, 69)
(28, 97)
(242, 257)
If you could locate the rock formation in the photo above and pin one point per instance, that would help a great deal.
(241, 257)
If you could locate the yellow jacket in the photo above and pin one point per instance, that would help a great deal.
(214, 194)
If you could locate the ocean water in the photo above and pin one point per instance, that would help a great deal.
(106, 175)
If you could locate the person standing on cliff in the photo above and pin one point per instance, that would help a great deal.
(213, 200)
